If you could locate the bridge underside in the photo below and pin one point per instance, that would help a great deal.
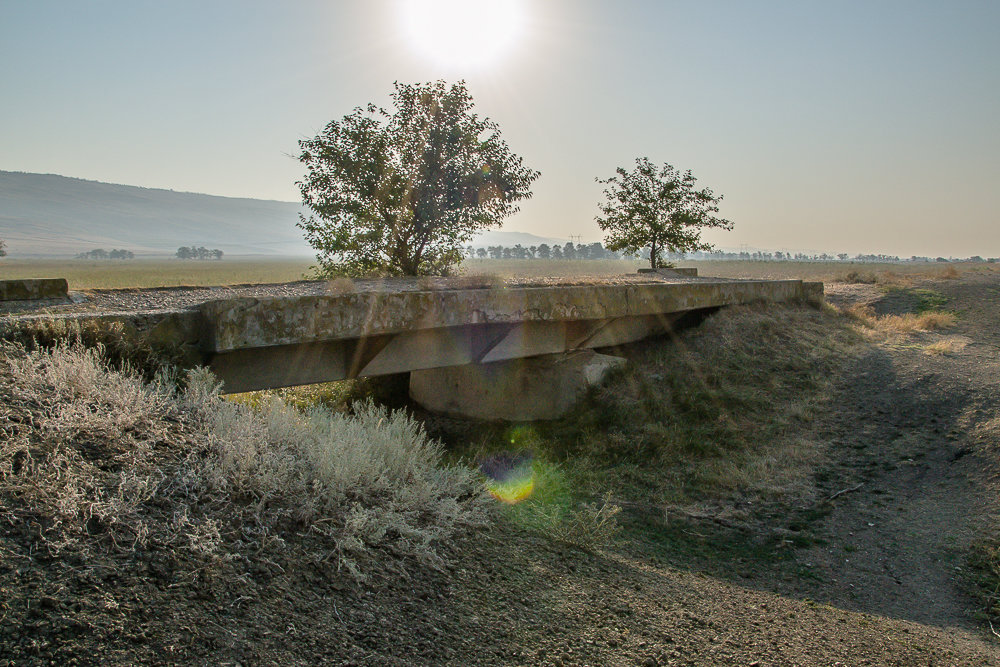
(250, 369)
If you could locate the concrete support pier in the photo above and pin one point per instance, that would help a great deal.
(530, 389)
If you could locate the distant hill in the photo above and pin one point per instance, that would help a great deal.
(50, 215)
(511, 239)
(45, 214)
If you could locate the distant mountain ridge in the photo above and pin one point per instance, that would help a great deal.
(46, 214)
(52, 215)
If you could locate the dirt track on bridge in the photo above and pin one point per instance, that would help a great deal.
(912, 445)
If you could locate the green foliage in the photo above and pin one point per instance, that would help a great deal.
(928, 299)
(554, 510)
(402, 193)
(655, 210)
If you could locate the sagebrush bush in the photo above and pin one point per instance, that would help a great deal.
(118, 346)
(97, 459)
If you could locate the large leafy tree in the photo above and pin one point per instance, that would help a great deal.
(402, 193)
(657, 209)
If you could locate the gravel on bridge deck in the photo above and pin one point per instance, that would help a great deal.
(152, 299)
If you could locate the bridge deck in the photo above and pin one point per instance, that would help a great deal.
(257, 337)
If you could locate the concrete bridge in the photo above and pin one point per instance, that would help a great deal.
(518, 352)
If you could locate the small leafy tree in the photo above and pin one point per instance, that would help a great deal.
(401, 193)
(3, 248)
(657, 210)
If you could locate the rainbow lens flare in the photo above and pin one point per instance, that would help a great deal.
(510, 478)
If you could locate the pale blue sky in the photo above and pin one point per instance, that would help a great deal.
(863, 126)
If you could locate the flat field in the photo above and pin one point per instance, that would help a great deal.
(95, 274)
(89, 274)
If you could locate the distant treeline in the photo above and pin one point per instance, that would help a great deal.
(200, 252)
(598, 251)
(101, 253)
(544, 251)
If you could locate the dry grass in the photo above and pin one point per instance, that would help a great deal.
(910, 322)
(86, 274)
(546, 268)
(119, 345)
(884, 274)
(945, 346)
(895, 325)
(886, 278)
(949, 273)
(706, 418)
(100, 461)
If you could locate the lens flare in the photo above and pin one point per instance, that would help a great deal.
(510, 477)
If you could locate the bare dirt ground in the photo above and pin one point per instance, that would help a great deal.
(872, 577)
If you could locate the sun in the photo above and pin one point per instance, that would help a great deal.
(462, 33)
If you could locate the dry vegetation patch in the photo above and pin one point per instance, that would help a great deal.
(946, 346)
(887, 326)
(706, 424)
(715, 409)
(98, 464)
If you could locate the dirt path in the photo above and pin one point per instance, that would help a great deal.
(912, 437)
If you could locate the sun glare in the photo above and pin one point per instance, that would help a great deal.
(462, 33)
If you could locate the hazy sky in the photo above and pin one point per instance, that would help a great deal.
(864, 126)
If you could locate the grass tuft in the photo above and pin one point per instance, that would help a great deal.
(945, 346)
(910, 322)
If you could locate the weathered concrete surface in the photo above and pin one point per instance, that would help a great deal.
(30, 289)
(259, 343)
(529, 389)
(242, 323)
